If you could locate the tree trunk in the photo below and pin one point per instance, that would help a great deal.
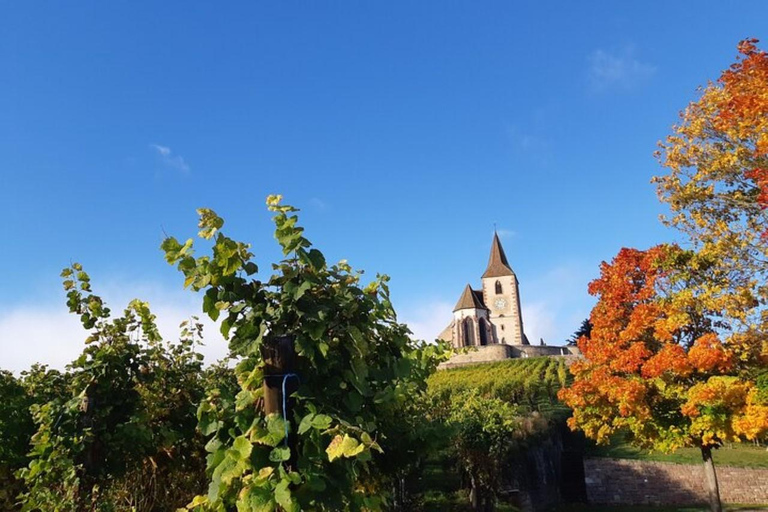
(709, 471)
(474, 499)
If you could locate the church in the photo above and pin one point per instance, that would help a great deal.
(491, 320)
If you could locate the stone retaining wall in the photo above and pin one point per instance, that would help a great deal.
(482, 354)
(635, 482)
(501, 351)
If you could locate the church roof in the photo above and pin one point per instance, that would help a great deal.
(497, 264)
(470, 299)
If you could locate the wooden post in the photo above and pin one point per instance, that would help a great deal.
(280, 361)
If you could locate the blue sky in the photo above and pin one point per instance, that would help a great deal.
(404, 131)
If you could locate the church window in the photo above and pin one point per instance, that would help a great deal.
(469, 332)
(502, 327)
(499, 291)
(483, 332)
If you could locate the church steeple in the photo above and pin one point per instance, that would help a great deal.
(497, 264)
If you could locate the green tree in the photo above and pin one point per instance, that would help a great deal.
(585, 329)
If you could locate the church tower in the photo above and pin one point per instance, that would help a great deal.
(501, 294)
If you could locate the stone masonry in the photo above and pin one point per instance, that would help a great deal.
(635, 482)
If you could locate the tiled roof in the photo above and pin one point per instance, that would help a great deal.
(470, 299)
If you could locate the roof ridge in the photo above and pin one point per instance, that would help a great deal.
(469, 300)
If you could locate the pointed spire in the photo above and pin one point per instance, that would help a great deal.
(469, 300)
(497, 264)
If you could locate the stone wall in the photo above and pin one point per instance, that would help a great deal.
(492, 353)
(542, 350)
(483, 354)
(635, 482)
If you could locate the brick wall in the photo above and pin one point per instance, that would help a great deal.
(634, 482)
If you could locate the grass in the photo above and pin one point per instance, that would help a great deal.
(736, 454)
(455, 502)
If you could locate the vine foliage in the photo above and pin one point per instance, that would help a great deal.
(358, 374)
(118, 432)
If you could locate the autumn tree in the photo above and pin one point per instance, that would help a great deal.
(679, 337)
(661, 362)
(717, 183)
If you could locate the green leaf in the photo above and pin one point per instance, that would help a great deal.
(345, 446)
(276, 424)
(242, 446)
(306, 423)
(301, 290)
(244, 399)
(283, 496)
(316, 330)
(209, 223)
(321, 422)
(274, 433)
(280, 454)
(317, 259)
(171, 248)
(256, 499)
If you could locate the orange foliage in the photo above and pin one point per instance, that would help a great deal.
(743, 109)
(708, 354)
(648, 361)
(754, 422)
(671, 358)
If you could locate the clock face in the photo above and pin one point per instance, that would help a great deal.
(500, 303)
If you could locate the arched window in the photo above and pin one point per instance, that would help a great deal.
(483, 331)
(499, 291)
(468, 328)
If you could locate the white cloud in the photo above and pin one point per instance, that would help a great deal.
(46, 335)
(428, 321)
(49, 334)
(536, 148)
(620, 70)
(318, 203)
(539, 321)
(169, 159)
